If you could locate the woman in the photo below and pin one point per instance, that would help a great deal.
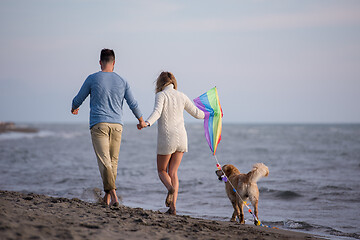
(172, 137)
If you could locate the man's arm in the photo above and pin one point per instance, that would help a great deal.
(80, 97)
(133, 105)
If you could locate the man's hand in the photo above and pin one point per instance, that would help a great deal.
(142, 125)
(75, 111)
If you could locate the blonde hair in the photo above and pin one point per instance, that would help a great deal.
(165, 79)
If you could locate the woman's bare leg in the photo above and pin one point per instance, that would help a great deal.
(162, 165)
(174, 164)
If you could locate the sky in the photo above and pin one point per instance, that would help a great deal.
(293, 61)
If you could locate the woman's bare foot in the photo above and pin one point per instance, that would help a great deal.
(171, 211)
(170, 197)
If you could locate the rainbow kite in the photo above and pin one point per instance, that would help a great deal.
(209, 103)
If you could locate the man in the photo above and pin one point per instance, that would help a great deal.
(107, 93)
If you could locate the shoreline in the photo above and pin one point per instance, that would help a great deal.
(11, 127)
(25, 216)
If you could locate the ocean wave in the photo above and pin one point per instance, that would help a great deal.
(297, 181)
(20, 135)
(298, 225)
(335, 232)
(302, 226)
(70, 135)
(282, 194)
(40, 134)
(287, 195)
(332, 187)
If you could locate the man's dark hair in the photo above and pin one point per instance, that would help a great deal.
(107, 55)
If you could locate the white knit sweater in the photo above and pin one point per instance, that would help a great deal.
(169, 108)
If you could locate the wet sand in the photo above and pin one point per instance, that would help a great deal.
(33, 216)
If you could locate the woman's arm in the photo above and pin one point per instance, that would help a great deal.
(158, 107)
(192, 109)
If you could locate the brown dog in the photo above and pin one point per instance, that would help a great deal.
(245, 185)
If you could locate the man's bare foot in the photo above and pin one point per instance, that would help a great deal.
(114, 198)
(107, 199)
(115, 205)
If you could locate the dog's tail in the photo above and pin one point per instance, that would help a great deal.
(259, 170)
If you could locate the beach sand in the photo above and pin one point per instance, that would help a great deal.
(33, 216)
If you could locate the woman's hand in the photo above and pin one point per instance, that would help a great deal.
(142, 124)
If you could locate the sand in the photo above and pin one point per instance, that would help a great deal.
(33, 216)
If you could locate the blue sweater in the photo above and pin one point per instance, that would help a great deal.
(107, 93)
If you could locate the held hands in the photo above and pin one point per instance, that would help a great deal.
(142, 124)
(75, 111)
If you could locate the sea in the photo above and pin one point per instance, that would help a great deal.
(313, 185)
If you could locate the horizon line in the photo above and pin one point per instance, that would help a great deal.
(195, 122)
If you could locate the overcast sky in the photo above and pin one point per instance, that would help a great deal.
(293, 61)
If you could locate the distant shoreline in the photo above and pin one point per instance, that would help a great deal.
(226, 123)
(11, 127)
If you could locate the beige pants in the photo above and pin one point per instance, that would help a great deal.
(106, 139)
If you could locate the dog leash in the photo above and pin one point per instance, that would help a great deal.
(225, 179)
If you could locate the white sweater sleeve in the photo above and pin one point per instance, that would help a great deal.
(192, 109)
(158, 108)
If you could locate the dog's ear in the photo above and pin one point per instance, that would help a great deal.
(227, 169)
